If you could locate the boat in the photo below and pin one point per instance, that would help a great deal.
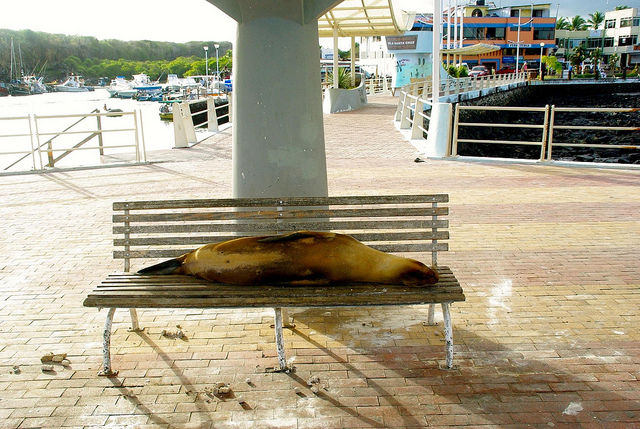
(142, 82)
(36, 84)
(17, 86)
(74, 83)
(118, 84)
(166, 110)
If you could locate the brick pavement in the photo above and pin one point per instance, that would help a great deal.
(549, 335)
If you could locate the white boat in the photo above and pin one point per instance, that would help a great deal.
(118, 84)
(73, 84)
(142, 82)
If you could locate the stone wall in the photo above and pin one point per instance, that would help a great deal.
(560, 95)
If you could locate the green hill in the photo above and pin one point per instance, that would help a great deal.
(55, 56)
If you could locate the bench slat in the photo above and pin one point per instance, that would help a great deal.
(265, 202)
(173, 253)
(122, 281)
(205, 239)
(266, 227)
(272, 214)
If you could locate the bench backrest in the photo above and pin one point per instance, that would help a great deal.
(403, 224)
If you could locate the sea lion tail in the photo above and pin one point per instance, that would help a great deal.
(163, 268)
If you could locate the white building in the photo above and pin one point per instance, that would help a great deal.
(620, 35)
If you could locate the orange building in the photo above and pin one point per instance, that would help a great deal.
(520, 33)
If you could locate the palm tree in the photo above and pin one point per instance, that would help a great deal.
(562, 23)
(577, 23)
(595, 19)
(579, 54)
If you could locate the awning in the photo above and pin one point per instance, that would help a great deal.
(361, 18)
(478, 49)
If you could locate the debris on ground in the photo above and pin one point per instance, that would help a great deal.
(179, 333)
(53, 358)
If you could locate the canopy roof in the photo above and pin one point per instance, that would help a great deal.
(477, 49)
(361, 18)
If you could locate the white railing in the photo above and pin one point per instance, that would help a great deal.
(378, 85)
(46, 143)
(26, 133)
(186, 121)
(547, 125)
(417, 96)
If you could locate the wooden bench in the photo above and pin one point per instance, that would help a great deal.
(150, 231)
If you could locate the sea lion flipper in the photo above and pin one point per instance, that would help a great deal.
(287, 237)
(163, 268)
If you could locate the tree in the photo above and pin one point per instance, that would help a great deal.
(552, 63)
(595, 20)
(596, 56)
(562, 23)
(579, 54)
(613, 60)
(577, 23)
(622, 7)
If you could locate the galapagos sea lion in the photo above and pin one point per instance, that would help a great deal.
(299, 258)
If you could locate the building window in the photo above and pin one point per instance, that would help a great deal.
(474, 33)
(495, 33)
(594, 43)
(544, 34)
(625, 22)
(575, 42)
(628, 40)
(515, 13)
(608, 42)
(610, 23)
(537, 13)
(477, 13)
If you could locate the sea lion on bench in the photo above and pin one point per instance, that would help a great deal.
(299, 258)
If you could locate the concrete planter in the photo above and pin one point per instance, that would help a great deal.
(344, 100)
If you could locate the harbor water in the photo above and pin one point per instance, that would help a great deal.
(153, 133)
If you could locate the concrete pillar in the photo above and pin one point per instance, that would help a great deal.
(278, 136)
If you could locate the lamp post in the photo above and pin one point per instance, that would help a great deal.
(541, 49)
(206, 60)
(217, 67)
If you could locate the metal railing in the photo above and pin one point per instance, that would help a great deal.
(378, 85)
(543, 125)
(595, 128)
(547, 124)
(46, 144)
(19, 136)
(204, 118)
(417, 96)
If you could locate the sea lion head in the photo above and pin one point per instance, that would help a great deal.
(418, 274)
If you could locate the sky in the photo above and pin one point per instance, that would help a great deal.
(190, 20)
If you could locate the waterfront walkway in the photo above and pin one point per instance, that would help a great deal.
(549, 335)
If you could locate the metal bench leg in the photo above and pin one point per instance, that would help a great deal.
(135, 326)
(448, 334)
(106, 346)
(286, 320)
(282, 361)
(431, 316)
